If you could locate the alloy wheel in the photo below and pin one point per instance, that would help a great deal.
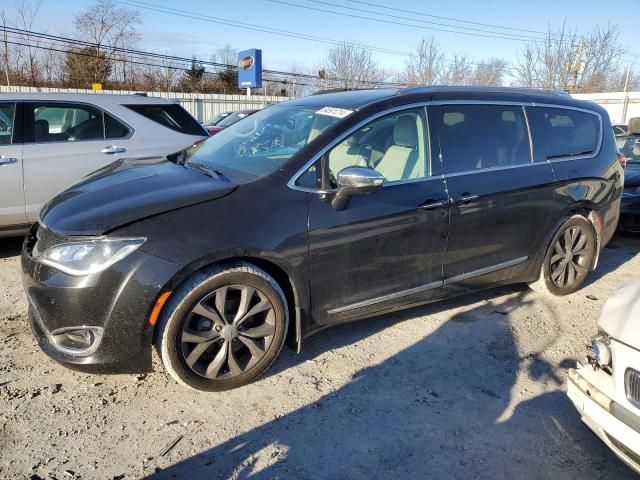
(570, 258)
(227, 332)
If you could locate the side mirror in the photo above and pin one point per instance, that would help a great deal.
(355, 181)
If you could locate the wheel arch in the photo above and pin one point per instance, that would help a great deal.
(276, 270)
(584, 209)
(589, 210)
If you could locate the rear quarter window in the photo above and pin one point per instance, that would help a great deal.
(170, 116)
(563, 133)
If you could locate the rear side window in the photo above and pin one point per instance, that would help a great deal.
(113, 128)
(7, 115)
(57, 122)
(71, 122)
(563, 133)
(171, 116)
(483, 136)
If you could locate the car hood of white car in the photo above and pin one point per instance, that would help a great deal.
(620, 316)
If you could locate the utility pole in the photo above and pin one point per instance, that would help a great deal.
(577, 65)
(6, 49)
(625, 104)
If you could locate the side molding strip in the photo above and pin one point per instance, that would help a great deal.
(429, 286)
(484, 271)
(386, 298)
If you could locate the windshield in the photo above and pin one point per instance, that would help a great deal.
(231, 119)
(631, 149)
(263, 142)
(215, 120)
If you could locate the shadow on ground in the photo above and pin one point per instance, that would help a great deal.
(10, 247)
(441, 408)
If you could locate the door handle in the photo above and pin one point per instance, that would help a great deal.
(467, 197)
(112, 149)
(7, 160)
(432, 205)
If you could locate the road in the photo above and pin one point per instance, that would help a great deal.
(468, 388)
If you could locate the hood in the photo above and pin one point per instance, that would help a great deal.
(620, 316)
(126, 191)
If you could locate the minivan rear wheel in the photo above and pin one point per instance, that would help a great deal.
(222, 328)
(569, 258)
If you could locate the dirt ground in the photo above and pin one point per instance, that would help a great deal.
(469, 388)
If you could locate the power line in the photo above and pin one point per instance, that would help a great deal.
(422, 14)
(248, 26)
(139, 57)
(243, 25)
(464, 30)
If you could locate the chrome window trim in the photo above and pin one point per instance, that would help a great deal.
(491, 169)
(429, 286)
(482, 102)
(595, 152)
(526, 119)
(291, 183)
(132, 130)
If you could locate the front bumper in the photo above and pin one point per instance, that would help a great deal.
(116, 302)
(615, 425)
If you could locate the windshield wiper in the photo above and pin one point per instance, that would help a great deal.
(208, 171)
(564, 155)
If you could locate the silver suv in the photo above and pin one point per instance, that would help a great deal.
(48, 142)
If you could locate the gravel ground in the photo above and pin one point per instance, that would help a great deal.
(469, 388)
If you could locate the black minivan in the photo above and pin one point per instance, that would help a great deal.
(317, 211)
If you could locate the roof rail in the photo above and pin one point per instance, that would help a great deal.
(476, 88)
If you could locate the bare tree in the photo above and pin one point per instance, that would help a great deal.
(352, 66)
(489, 72)
(458, 72)
(27, 13)
(226, 55)
(105, 24)
(626, 78)
(569, 61)
(163, 77)
(426, 66)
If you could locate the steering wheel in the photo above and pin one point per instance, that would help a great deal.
(253, 131)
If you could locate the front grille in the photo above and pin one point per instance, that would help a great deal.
(632, 386)
(46, 239)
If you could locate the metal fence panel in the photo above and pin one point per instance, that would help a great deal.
(201, 105)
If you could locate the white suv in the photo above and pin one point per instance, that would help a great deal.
(48, 142)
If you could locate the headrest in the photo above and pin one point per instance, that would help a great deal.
(634, 126)
(405, 131)
(41, 130)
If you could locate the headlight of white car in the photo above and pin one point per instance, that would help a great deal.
(87, 257)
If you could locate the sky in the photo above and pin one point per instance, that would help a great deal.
(191, 34)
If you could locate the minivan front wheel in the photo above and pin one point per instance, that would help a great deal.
(222, 328)
(569, 257)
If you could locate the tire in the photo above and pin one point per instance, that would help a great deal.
(578, 262)
(209, 351)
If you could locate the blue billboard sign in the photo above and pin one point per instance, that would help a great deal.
(250, 68)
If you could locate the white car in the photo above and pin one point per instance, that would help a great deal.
(50, 141)
(606, 390)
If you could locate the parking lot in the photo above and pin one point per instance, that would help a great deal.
(469, 388)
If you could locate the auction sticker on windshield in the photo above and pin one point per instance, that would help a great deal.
(334, 112)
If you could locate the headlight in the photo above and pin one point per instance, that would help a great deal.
(601, 352)
(89, 256)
